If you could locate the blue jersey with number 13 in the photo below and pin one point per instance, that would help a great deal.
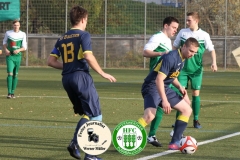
(71, 47)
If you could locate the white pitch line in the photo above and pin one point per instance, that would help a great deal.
(200, 143)
(216, 101)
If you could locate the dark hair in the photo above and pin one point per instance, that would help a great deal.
(15, 21)
(77, 13)
(191, 41)
(195, 15)
(169, 20)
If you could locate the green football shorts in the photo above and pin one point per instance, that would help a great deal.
(13, 64)
(194, 79)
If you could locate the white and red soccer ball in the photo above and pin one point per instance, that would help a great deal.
(188, 145)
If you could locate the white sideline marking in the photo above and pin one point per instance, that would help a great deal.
(200, 143)
(113, 98)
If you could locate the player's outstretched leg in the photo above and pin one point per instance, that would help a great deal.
(196, 111)
(177, 91)
(9, 85)
(91, 157)
(177, 114)
(180, 124)
(73, 147)
(152, 139)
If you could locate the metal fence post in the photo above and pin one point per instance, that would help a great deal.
(225, 45)
(185, 8)
(145, 26)
(105, 36)
(66, 10)
(27, 34)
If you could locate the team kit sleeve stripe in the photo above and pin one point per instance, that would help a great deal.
(86, 52)
(54, 55)
(55, 52)
(162, 73)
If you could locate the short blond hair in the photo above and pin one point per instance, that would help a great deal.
(195, 15)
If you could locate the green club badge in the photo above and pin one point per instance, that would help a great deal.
(129, 137)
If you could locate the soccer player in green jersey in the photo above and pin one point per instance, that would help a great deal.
(14, 43)
(158, 45)
(193, 68)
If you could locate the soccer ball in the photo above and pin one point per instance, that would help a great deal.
(188, 145)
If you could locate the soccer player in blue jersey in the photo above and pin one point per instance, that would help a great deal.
(76, 51)
(158, 45)
(156, 91)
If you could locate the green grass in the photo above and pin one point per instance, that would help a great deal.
(39, 123)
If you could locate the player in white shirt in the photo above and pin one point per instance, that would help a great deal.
(158, 45)
(14, 43)
(193, 68)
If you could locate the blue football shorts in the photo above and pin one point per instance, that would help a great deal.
(152, 98)
(82, 93)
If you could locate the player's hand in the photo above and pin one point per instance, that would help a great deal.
(109, 77)
(182, 90)
(166, 107)
(16, 51)
(214, 67)
(7, 52)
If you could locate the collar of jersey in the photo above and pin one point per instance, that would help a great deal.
(180, 54)
(74, 28)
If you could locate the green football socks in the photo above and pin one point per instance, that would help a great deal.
(196, 106)
(9, 83)
(14, 84)
(156, 121)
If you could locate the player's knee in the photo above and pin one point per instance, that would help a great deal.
(148, 117)
(10, 74)
(187, 111)
(97, 118)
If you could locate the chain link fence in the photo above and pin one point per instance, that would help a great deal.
(120, 28)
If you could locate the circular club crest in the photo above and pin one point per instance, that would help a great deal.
(94, 137)
(129, 137)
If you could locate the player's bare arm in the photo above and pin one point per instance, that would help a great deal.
(95, 66)
(148, 53)
(214, 61)
(7, 52)
(53, 62)
(181, 89)
(19, 50)
(161, 90)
